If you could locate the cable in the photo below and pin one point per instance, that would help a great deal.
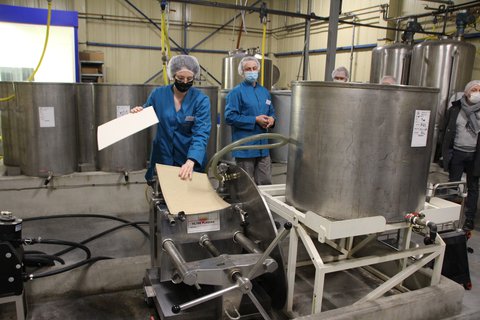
(47, 257)
(31, 241)
(68, 268)
(101, 234)
(88, 215)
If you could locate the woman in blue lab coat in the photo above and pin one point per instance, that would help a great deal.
(249, 111)
(184, 120)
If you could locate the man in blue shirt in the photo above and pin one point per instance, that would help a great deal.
(249, 111)
(184, 120)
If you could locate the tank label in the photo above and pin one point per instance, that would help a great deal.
(122, 110)
(420, 128)
(46, 116)
(203, 222)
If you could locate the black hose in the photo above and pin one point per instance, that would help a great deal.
(33, 252)
(433, 230)
(88, 215)
(58, 242)
(38, 262)
(68, 268)
(49, 257)
(101, 234)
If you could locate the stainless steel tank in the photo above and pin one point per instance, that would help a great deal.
(111, 102)
(47, 128)
(282, 102)
(87, 129)
(225, 131)
(9, 115)
(212, 93)
(446, 64)
(391, 60)
(230, 76)
(152, 131)
(352, 153)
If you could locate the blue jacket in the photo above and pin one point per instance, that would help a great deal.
(244, 103)
(180, 135)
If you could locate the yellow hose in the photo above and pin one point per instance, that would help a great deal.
(30, 78)
(164, 57)
(263, 51)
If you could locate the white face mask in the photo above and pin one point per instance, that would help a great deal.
(474, 97)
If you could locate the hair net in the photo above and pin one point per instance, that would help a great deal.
(245, 60)
(470, 85)
(388, 80)
(180, 62)
(340, 69)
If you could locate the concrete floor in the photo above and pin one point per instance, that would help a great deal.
(129, 304)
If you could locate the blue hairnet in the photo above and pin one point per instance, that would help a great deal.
(180, 62)
(244, 60)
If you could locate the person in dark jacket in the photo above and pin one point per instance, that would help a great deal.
(461, 146)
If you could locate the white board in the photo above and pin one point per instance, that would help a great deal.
(120, 128)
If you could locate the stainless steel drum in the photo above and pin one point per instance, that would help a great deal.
(47, 128)
(152, 131)
(352, 153)
(111, 102)
(230, 76)
(282, 102)
(225, 131)
(391, 60)
(446, 64)
(9, 115)
(212, 93)
(87, 130)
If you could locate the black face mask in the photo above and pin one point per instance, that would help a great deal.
(182, 86)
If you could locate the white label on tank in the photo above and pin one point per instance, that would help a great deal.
(46, 116)
(420, 128)
(203, 222)
(122, 110)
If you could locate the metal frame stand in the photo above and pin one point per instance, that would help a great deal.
(20, 304)
(340, 236)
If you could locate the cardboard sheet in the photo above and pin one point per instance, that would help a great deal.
(124, 126)
(191, 196)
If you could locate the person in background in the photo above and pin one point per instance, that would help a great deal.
(388, 80)
(461, 146)
(249, 111)
(184, 120)
(340, 74)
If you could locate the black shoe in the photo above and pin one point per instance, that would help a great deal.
(468, 225)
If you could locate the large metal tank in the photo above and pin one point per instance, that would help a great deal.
(152, 131)
(9, 115)
(113, 101)
(87, 129)
(230, 76)
(352, 153)
(391, 60)
(212, 93)
(224, 130)
(47, 128)
(446, 64)
(282, 102)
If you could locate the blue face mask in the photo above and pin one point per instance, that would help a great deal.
(251, 76)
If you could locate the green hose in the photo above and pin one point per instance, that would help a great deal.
(237, 145)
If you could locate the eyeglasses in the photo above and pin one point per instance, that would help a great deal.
(184, 80)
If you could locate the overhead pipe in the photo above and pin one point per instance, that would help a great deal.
(316, 51)
(173, 41)
(285, 13)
